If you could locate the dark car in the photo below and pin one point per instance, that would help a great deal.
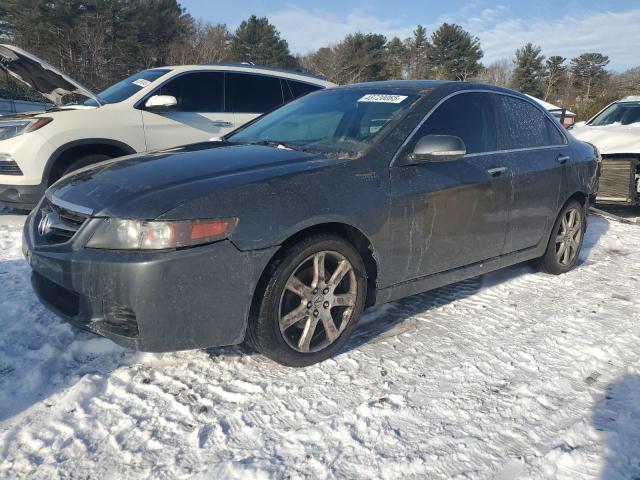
(284, 231)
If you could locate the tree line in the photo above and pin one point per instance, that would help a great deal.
(101, 41)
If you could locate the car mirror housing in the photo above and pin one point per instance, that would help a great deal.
(437, 148)
(161, 103)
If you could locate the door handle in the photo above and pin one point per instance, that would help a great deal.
(562, 159)
(496, 172)
(221, 123)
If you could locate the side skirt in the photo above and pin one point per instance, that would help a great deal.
(437, 280)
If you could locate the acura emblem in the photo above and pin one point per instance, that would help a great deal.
(44, 227)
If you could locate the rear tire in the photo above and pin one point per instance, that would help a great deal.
(565, 241)
(313, 298)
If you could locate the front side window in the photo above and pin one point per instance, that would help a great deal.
(525, 126)
(469, 116)
(196, 92)
(624, 113)
(341, 120)
(129, 86)
(248, 93)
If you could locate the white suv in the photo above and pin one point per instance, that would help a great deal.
(151, 110)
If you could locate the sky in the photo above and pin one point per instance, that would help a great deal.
(560, 27)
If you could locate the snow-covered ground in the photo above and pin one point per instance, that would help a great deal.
(516, 375)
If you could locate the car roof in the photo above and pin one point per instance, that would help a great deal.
(417, 86)
(249, 68)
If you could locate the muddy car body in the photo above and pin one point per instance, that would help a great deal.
(390, 206)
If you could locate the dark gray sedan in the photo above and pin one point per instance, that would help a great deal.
(283, 232)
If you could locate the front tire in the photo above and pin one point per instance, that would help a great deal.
(566, 239)
(312, 301)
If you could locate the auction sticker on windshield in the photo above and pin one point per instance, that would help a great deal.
(381, 98)
(141, 82)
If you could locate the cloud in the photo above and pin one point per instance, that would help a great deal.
(614, 34)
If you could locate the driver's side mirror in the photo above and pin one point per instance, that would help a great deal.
(437, 148)
(161, 103)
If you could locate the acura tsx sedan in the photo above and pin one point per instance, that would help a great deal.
(281, 233)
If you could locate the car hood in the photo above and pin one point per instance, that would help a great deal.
(39, 75)
(610, 139)
(146, 186)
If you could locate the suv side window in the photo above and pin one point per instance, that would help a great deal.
(298, 89)
(246, 93)
(525, 126)
(197, 92)
(470, 116)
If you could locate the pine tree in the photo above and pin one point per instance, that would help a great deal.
(360, 57)
(454, 53)
(588, 74)
(257, 41)
(395, 58)
(555, 76)
(416, 48)
(529, 70)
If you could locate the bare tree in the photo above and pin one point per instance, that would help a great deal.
(498, 73)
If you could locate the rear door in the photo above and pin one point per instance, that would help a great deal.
(451, 214)
(250, 95)
(537, 155)
(199, 115)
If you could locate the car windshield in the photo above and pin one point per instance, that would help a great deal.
(624, 113)
(125, 88)
(330, 121)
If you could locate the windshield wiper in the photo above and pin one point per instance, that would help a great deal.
(276, 143)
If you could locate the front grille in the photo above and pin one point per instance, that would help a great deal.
(57, 224)
(9, 167)
(59, 298)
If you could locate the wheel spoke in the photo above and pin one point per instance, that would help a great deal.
(329, 326)
(296, 286)
(344, 300)
(572, 219)
(341, 270)
(293, 317)
(559, 239)
(318, 269)
(566, 256)
(307, 334)
(561, 250)
(564, 226)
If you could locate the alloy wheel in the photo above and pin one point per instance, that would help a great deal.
(569, 237)
(318, 301)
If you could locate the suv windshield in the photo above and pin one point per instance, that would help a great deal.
(624, 113)
(125, 88)
(340, 120)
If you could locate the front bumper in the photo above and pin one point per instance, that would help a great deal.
(21, 197)
(150, 301)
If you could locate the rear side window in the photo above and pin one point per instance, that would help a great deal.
(470, 116)
(525, 126)
(197, 92)
(299, 89)
(247, 93)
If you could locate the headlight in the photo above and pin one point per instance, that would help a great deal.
(117, 234)
(13, 128)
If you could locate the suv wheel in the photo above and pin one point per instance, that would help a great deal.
(311, 303)
(85, 161)
(566, 240)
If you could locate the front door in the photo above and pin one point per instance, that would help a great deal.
(446, 215)
(199, 116)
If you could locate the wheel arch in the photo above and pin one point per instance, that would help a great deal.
(64, 155)
(353, 235)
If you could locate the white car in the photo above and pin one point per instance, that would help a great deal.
(152, 110)
(615, 131)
